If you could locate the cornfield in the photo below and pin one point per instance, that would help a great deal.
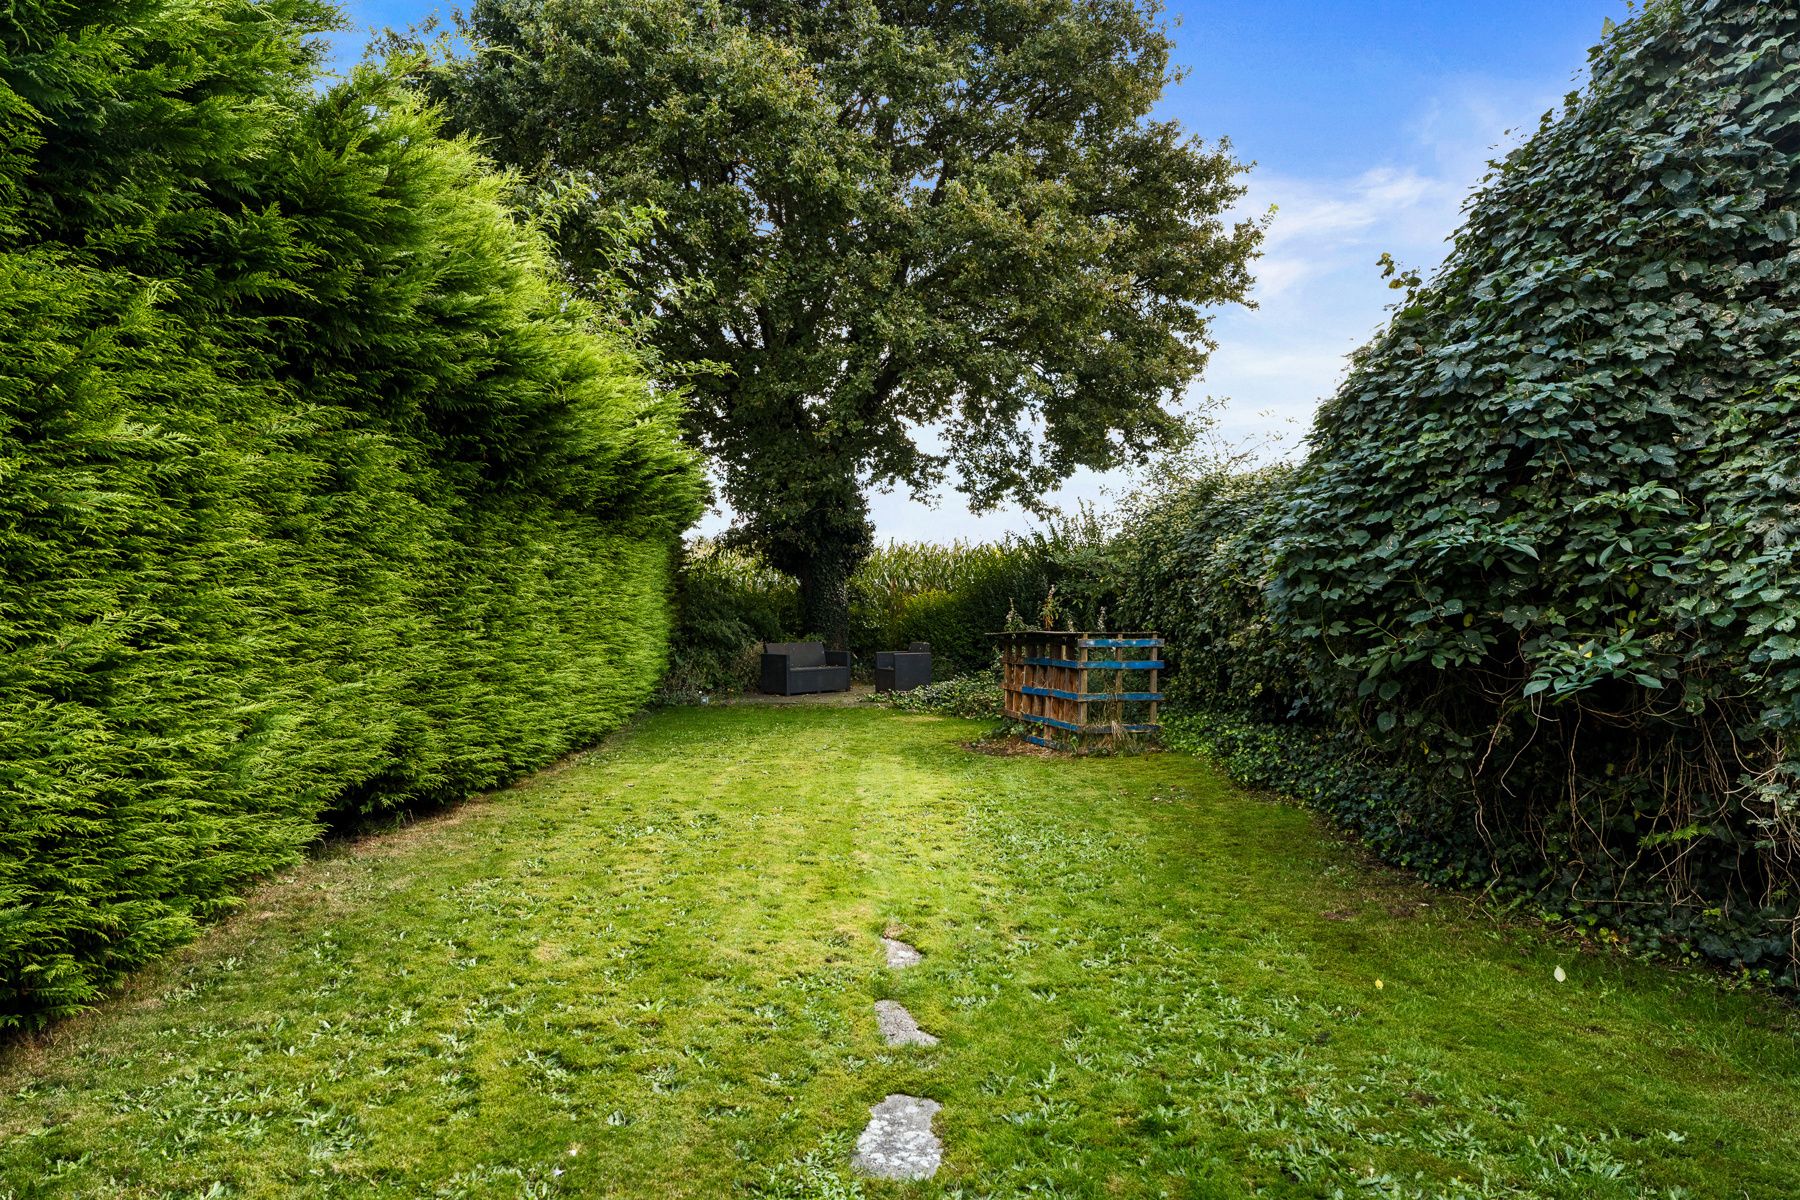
(955, 594)
(952, 595)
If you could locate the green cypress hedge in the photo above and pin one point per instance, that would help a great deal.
(316, 495)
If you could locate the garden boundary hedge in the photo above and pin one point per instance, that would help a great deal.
(1539, 563)
(319, 497)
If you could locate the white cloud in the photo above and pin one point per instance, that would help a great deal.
(1319, 290)
(1313, 210)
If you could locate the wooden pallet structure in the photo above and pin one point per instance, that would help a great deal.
(1079, 688)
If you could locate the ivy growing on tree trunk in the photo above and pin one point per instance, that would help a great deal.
(892, 243)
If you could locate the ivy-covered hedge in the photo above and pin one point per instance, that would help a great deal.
(1544, 541)
(1534, 587)
(1194, 564)
(316, 494)
(1525, 617)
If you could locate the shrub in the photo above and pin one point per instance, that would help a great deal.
(952, 595)
(1193, 564)
(974, 697)
(319, 497)
(942, 594)
(728, 602)
(955, 595)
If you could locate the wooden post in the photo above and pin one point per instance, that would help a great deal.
(1154, 690)
(1081, 689)
(1009, 682)
(1035, 674)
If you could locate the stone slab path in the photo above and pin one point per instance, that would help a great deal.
(899, 1144)
(900, 955)
(898, 1028)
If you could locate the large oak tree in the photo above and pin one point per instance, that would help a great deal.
(897, 242)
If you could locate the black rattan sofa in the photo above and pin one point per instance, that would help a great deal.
(800, 668)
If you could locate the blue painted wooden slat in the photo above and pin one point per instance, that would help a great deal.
(1105, 665)
(1073, 728)
(1120, 642)
(1037, 720)
(1090, 696)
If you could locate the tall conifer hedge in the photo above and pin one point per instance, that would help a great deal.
(315, 493)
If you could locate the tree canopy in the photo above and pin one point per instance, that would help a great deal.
(871, 220)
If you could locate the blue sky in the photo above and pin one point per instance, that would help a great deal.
(1368, 122)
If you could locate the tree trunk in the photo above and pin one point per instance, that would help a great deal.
(825, 599)
(822, 550)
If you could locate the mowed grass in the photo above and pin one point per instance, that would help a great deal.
(650, 973)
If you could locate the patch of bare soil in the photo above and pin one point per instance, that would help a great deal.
(857, 693)
(1014, 746)
(1010, 747)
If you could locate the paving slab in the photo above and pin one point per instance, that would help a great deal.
(898, 1028)
(899, 1144)
(900, 955)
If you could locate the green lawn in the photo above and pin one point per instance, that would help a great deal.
(650, 972)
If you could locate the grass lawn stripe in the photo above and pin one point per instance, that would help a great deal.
(662, 956)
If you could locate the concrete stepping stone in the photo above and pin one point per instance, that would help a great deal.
(900, 955)
(899, 1144)
(898, 1027)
